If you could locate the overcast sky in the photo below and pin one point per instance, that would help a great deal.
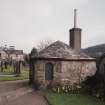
(24, 23)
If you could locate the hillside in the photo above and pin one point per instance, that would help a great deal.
(95, 51)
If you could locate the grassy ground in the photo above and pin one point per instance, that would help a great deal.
(24, 74)
(74, 99)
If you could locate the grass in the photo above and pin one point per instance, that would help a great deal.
(24, 74)
(72, 99)
(8, 71)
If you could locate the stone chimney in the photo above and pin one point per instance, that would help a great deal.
(75, 34)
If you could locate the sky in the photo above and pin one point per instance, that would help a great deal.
(24, 23)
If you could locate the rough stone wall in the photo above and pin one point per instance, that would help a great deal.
(77, 71)
(65, 72)
(40, 72)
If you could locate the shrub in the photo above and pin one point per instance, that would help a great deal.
(95, 86)
(69, 89)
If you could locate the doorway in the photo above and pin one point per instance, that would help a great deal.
(49, 71)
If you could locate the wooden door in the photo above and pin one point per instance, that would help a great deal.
(49, 71)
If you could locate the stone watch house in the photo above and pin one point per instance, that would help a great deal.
(62, 64)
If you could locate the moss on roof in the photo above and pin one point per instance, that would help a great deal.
(59, 49)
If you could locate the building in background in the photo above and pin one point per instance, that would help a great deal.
(3, 55)
(11, 53)
(14, 54)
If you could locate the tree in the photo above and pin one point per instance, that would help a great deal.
(2, 66)
(43, 44)
(26, 59)
(34, 52)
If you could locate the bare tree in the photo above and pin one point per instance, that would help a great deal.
(43, 44)
(26, 59)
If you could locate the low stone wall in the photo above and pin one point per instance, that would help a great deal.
(12, 85)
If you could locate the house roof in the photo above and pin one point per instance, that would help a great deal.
(59, 49)
(19, 52)
(2, 51)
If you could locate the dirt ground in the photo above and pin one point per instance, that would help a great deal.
(22, 96)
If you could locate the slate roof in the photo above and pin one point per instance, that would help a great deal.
(59, 49)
